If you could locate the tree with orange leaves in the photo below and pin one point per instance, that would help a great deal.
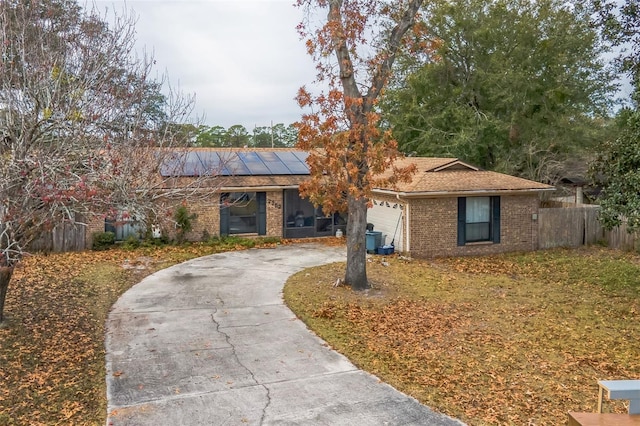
(354, 52)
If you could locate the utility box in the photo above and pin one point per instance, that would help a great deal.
(374, 240)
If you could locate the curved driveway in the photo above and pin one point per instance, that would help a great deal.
(209, 342)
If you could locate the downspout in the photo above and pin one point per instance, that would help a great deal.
(405, 240)
(407, 232)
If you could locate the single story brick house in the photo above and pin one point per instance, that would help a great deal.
(450, 208)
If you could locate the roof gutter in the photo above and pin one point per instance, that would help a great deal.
(269, 188)
(441, 194)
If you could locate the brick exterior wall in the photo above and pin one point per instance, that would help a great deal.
(94, 224)
(207, 219)
(434, 227)
(433, 224)
(275, 205)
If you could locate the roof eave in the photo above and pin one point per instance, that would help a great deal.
(461, 193)
(261, 188)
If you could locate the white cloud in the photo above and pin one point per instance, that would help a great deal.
(243, 59)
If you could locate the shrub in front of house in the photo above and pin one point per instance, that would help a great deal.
(131, 243)
(184, 223)
(103, 240)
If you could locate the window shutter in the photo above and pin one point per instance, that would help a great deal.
(261, 198)
(462, 213)
(495, 226)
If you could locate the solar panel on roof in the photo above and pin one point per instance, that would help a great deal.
(301, 155)
(171, 165)
(268, 156)
(293, 163)
(285, 156)
(192, 166)
(273, 163)
(253, 163)
(277, 168)
(210, 161)
(222, 162)
(298, 168)
(179, 163)
(233, 163)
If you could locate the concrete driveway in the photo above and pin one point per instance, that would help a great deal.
(209, 342)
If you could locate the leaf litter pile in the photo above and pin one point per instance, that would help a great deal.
(518, 339)
(52, 360)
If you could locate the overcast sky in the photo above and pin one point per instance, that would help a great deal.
(242, 59)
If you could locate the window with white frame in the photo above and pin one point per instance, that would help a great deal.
(478, 220)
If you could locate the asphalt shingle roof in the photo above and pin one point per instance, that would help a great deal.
(452, 175)
(434, 175)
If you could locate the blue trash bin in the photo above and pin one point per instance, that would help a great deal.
(374, 239)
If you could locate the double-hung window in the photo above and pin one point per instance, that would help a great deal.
(478, 220)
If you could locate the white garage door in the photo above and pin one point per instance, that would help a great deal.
(388, 217)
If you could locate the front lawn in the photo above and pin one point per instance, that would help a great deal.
(52, 360)
(518, 339)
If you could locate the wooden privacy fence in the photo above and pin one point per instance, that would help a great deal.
(619, 238)
(576, 226)
(63, 237)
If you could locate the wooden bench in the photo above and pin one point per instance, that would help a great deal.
(599, 419)
(621, 389)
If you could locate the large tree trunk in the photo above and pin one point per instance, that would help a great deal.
(356, 275)
(344, 33)
(5, 277)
